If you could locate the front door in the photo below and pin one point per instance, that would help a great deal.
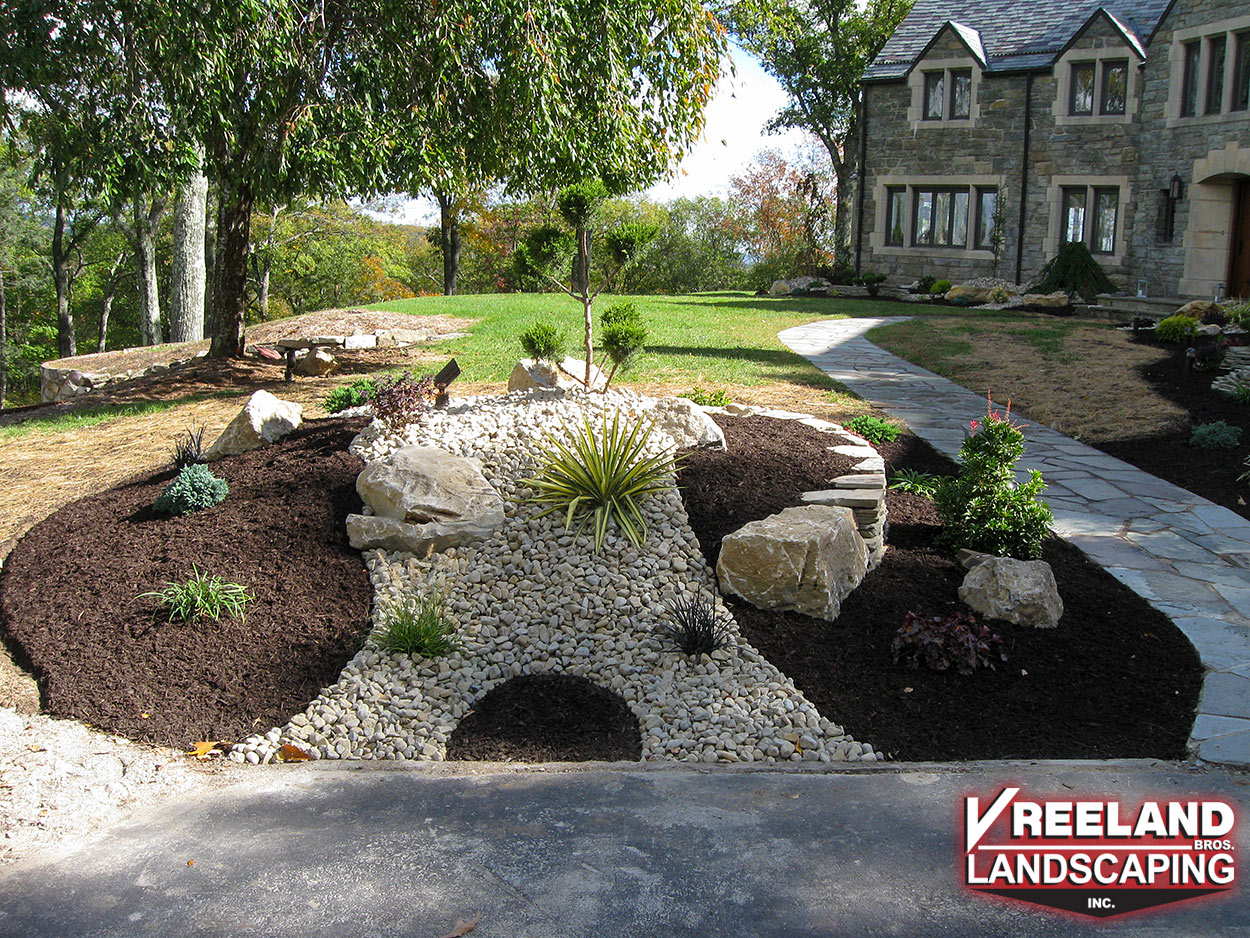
(1239, 263)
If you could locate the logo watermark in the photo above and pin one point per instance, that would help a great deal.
(1094, 856)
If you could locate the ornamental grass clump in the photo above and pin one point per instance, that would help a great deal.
(982, 508)
(944, 642)
(189, 449)
(202, 596)
(600, 478)
(419, 626)
(195, 489)
(697, 628)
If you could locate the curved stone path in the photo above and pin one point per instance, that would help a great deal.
(1188, 557)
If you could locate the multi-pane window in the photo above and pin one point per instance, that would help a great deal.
(1097, 228)
(961, 94)
(1215, 74)
(1189, 79)
(1082, 100)
(1241, 73)
(934, 95)
(1114, 87)
(941, 217)
(896, 208)
(987, 203)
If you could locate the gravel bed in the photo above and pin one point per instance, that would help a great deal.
(534, 599)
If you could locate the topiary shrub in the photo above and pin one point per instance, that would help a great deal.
(982, 508)
(195, 489)
(623, 336)
(1217, 435)
(1074, 270)
(943, 287)
(1177, 329)
(543, 341)
(925, 284)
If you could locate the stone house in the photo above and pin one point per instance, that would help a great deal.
(994, 131)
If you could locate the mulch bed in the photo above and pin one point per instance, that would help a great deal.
(68, 597)
(1115, 679)
(1168, 455)
(548, 718)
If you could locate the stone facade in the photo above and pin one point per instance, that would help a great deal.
(1122, 159)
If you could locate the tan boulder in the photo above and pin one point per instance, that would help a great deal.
(972, 294)
(804, 560)
(423, 498)
(1020, 591)
(315, 363)
(536, 373)
(1198, 308)
(263, 419)
(1056, 300)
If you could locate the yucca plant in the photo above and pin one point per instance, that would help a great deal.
(601, 478)
(202, 595)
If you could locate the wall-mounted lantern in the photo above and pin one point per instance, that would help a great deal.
(1176, 189)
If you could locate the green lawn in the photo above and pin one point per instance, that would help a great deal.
(706, 340)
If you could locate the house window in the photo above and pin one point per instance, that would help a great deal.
(1082, 100)
(1241, 73)
(1097, 230)
(1106, 213)
(987, 202)
(934, 95)
(896, 206)
(1114, 87)
(961, 94)
(1074, 214)
(1215, 75)
(941, 217)
(1189, 79)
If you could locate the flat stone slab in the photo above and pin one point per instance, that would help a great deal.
(860, 481)
(844, 498)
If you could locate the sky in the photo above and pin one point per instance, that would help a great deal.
(743, 103)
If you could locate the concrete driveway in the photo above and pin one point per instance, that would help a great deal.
(383, 851)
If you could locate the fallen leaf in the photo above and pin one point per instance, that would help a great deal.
(201, 749)
(289, 753)
(463, 927)
(190, 863)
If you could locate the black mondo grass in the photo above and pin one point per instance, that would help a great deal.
(697, 627)
(596, 479)
(189, 449)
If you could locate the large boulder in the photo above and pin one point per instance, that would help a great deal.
(536, 373)
(315, 363)
(1019, 591)
(1199, 308)
(1056, 300)
(688, 424)
(263, 419)
(971, 294)
(424, 499)
(804, 560)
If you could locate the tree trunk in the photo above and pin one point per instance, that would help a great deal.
(587, 302)
(581, 263)
(449, 241)
(4, 345)
(110, 291)
(65, 343)
(234, 223)
(210, 265)
(187, 280)
(262, 286)
(146, 220)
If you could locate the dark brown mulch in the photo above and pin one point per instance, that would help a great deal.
(548, 718)
(68, 597)
(1168, 455)
(1115, 679)
(722, 494)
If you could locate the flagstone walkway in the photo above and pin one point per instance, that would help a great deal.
(1188, 557)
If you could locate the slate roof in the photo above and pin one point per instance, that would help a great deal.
(1017, 35)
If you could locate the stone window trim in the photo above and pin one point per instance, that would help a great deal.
(1207, 36)
(1055, 200)
(917, 83)
(1103, 60)
(883, 185)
